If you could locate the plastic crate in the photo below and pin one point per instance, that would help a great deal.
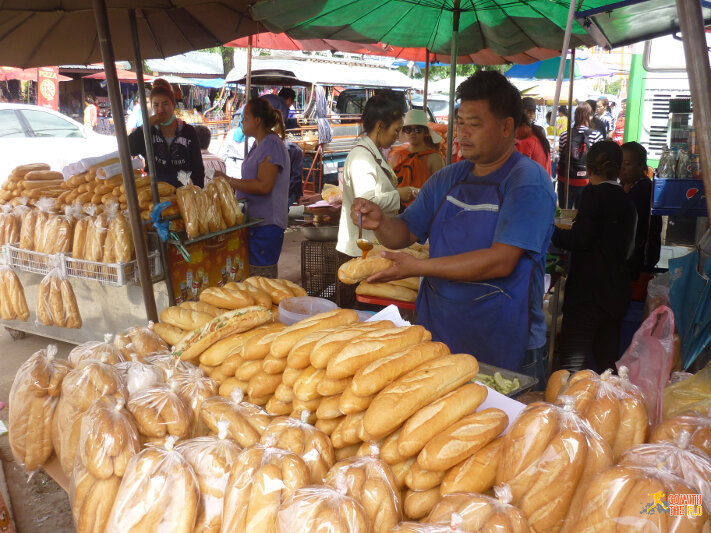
(679, 197)
(114, 274)
(31, 261)
(526, 382)
(319, 267)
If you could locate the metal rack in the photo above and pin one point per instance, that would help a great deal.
(113, 274)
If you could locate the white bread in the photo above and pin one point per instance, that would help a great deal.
(389, 291)
(183, 318)
(358, 269)
(476, 474)
(286, 340)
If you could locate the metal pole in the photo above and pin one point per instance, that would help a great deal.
(693, 35)
(112, 84)
(427, 80)
(561, 68)
(152, 172)
(248, 86)
(452, 78)
(570, 116)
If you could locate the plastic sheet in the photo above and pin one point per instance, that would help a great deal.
(9, 225)
(139, 376)
(172, 366)
(194, 387)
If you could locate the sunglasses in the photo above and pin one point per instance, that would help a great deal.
(413, 129)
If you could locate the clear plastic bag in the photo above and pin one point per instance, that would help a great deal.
(141, 340)
(692, 394)
(657, 294)
(698, 427)
(549, 456)
(628, 498)
(322, 509)
(118, 246)
(13, 305)
(247, 422)
(56, 303)
(214, 211)
(172, 366)
(212, 460)
(80, 389)
(158, 493)
(96, 351)
(370, 481)
(33, 399)
(139, 376)
(109, 439)
(193, 204)
(160, 413)
(194, 387)
(263, 477)
(9, 225)
(230, 209)
(303, 439)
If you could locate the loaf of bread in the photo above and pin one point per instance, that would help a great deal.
(167, 489)
(557, 382)
(171, 366)
(359, 269)
(140, 340)
(13, 305)
(261, 297)
(303, 439)
(191, 212)
(261, 480)
(227, 298)
(183, 318)
(23, 170)
(96, 351)
(476, 474)
(390, 291)
(9, 226)
(212, 459)
(214, 210)
(350, 403)
(160, 413)
(171, 335)
(258, 341)
(329, 386)
(56, 303)
(262, 386)
(418, 503)
(698, 427)
(276, 407)
(246, 422)
(193, 388)
(404, 397)
(330, 345)
(321, 509)
(371, 483)
(479, 513)
(286, 339)
(229, 208)
(33, 399)
(419, 479)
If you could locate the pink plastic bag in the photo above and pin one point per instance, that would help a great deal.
(650, 357)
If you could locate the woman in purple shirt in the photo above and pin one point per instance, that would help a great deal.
(265, 182)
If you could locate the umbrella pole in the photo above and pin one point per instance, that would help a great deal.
(427, 80)
(697, 64)
(107, 54)
(452, 79)
(153, 173)
(248, 86)
(570, 116)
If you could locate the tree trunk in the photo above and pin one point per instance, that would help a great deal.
(228, 59)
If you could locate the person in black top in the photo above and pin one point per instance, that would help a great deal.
(595, 122)
(648, 240)
(598, 289)
(175, 143)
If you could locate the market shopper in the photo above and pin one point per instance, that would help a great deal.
(296, 165)
(91, 113)
(209, 160)
(175, 143)
(598, 289)
(595, 122)
(415, 162)
(583, 136)
(602, 111)
(282, 102)
(265, 183)
(532, 142)
(489, 220)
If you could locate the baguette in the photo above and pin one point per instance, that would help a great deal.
(420, 479)
(330, 387)
(263, 384)
(328, 408)
(290, 376)
(273, 365)
(222, 350)
(23, 170)
(476, 474)
(248, 369)
(299, 356)
(401, 399)
(170, 334)
(203, 308)
(256, 347)
(284, 393)
(225, 298)
(410, 283)
(218, 328)
(359, 269)
(69, 304)
(182, 318)
(276, 407)
(286, 339)
(329, 346)
(389, 291)
(351, 403)
(418, 504)
(306, 384)
(556, 383)
(327, 425)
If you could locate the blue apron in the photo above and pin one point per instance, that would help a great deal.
(488, 319)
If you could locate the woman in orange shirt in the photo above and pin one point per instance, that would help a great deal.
(415, 162)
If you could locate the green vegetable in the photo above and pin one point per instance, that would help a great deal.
(498, 382)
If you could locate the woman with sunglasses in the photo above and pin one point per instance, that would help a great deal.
(415, 162)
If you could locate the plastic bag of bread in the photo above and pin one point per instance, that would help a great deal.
(33, 399)
(698, 427)
(139, 376)
(247, 422)
(212, 460)
(262, 478)
(80, 389)
(9, 225)
(96, 351)
(160, 413)
(56, 303)
(322, 508)
(141, 340)
(630, 498)
(109, 439)
(118, 244)
(613, 407)
(692, 394)
(39, 238)
(193, 387)
(417, 527)
(13, 305)
(303, 439)
(192, 209)
(159, 492)
(549, 456)
(214, 210)
(481, 513)
(229, 208)
(172, 366)
(370, 482)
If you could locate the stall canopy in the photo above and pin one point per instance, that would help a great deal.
(27, 74)
(125, 76)
(190, 64)
(583, 67)
(281, 41)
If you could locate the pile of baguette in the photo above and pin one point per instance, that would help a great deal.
(207, 210)
(13, 305)
(359, 269)
(33, 182)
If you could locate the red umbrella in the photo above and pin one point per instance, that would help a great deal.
(281, 41)
(27, 74)
(123, 75)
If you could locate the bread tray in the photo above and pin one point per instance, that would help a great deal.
(31, 261)
(114, 274)
(527, 382)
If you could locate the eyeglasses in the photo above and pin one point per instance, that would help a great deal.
(412, 129)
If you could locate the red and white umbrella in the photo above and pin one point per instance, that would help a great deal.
(24, 74)
(123, 75)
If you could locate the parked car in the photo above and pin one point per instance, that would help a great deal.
(437, 106)
(33, 134)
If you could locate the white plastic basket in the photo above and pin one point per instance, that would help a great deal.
(31, 261)
(114, 274)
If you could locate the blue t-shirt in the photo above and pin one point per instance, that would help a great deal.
(525, 218)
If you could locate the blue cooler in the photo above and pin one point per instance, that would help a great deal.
(674, 197)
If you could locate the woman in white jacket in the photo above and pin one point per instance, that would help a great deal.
(366, 172)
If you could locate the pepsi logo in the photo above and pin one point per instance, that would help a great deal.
(691, 192)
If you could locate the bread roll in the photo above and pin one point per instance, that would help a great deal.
(359, 269)
(404, 397)
(321, 509)
(246, 422)
(476, 474)
(185, 319)
(287, 338)
(23, 170)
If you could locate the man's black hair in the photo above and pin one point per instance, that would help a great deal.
(204, 136)
(384, 106)
(503, 97)
(636, 149)
(287, 93)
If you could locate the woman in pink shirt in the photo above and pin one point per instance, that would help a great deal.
(532, 142)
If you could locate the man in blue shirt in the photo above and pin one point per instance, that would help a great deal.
(489, 221)
(283, 102)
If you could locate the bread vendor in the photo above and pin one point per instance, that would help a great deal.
(489, 221)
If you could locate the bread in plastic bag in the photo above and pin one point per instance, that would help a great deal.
(109, 439)
(212, 460)
(247, 422)
(481, 513)
(370, 481)
(229, 208)
(96, 351)
(118, 246)
(80, 389)
(303, 439)
(698, 427)
(193, 387)
(33, 400)
(214, 211)
(614, 408)
(418, 503)
(417, 527)
(159, 492)
(160, 413)
(170, 365)
(262, 478)
(549, 456)
(140, 340)
(13, 304)
(193, 203)
(629, 498)
(56, 303)
(9, 225)
(322, 509)
(692, 394)
(139, 376)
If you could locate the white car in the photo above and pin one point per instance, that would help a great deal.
(33, 134)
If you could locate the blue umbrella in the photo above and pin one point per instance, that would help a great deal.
(585, 67)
